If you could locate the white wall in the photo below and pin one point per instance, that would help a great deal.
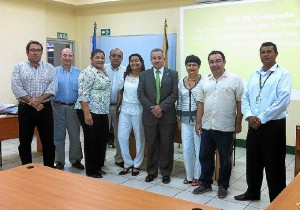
(21, 21)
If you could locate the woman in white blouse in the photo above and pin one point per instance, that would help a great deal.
(188, 89)
(131, 116)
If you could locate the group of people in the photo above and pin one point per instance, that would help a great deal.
(208, 112)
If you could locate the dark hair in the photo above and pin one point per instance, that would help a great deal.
(33, 42)
(216, 52)
(192, 59)
(128, 69)
(267, 44)
(95, 51)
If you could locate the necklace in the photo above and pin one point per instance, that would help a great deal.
(192, 79)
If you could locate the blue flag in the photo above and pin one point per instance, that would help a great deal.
(94, 38)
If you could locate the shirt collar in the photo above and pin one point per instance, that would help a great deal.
(273, 68)
(114, 69)
(161, 70)
(225, 74)
(28, 62)
(64, 70)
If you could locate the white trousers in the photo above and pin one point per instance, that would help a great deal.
(126, 123)
(191, 149)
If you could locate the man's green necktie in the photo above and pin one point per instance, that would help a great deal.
(157, 79)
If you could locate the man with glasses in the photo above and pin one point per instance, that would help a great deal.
(218, 118)
(34, 84)
(65, 117)
(115, 72)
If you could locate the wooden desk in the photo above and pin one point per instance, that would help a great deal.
(288, 198)
(9, 129)
(45, 188)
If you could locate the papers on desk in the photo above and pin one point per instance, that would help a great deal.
(8, 109)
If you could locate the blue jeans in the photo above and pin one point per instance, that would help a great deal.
(223, 142)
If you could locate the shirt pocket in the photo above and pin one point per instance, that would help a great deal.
(228, 94)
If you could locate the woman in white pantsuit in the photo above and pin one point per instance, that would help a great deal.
(131, 116)
(188, 89)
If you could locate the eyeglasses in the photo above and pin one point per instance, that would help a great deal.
(116, 56)
(35, 50)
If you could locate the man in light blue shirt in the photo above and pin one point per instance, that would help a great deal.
(65, 117)
(264, 106)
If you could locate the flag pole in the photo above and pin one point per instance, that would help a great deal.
(94, 40)
(165, 44)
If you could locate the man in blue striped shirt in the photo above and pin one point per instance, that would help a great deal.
(65, 117)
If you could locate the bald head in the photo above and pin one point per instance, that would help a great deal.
(66, 58)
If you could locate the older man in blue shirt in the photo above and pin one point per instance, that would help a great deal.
(65, 117)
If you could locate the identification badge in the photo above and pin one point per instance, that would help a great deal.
(258, 99)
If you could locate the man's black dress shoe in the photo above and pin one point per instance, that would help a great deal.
(59, 166)
(246, 197)
(166, 179)
(120, 164)
(95, 175)
(102, 172)
(78, 165)
(150, 178)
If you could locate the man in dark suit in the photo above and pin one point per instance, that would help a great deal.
(158, 92)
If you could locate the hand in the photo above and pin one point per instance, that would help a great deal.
(179, 124)
(254, 122)
(238, 128)
(40, 107)
(156, 111)
(35, 102)
(88, 119)
(198, 128)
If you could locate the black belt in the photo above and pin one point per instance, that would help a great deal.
(62, 103)
(44, 103)
(113, 104)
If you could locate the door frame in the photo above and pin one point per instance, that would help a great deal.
(61, 41)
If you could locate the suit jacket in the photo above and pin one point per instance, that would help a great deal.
(168, 96)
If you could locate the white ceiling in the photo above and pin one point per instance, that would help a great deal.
(91, 2)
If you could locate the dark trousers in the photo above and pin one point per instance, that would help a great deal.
(266, 149)
(223, 142)
(95, 140)
(29, 118)
(160, 148)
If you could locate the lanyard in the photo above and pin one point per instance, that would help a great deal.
(261, 86)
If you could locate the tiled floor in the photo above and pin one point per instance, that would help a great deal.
(176, 188)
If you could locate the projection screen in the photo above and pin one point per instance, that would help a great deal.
(238, 28)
